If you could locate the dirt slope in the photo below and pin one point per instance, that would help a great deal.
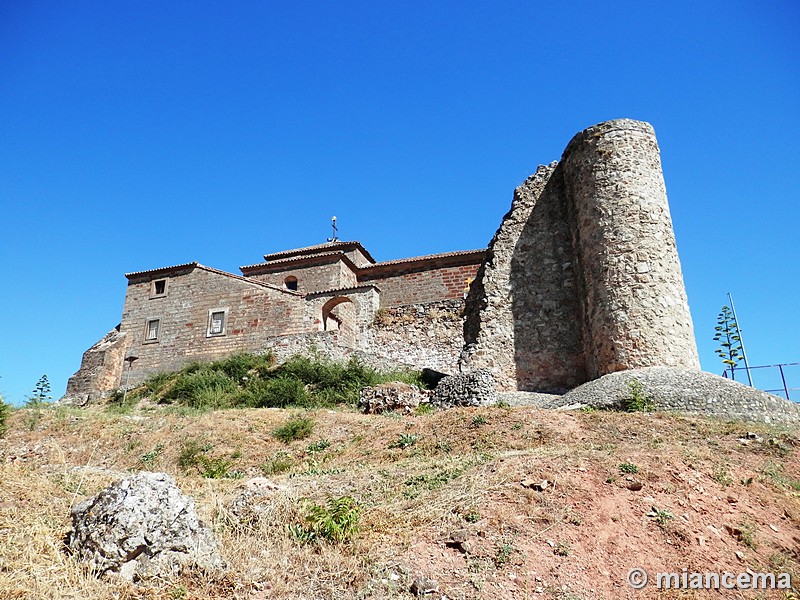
(656, 491)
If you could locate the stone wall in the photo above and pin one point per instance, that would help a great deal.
(101, 370)
(421, 335)
(313, 274)
(418, 282)
(634, 302)
(254, 313)
(583, 277)
(522, 309)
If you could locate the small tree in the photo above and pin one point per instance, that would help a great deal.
(41, 393)
(730, 343)
(5, 413)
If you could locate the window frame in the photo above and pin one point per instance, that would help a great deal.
(154, 293)
(148, 329)
(224, 329)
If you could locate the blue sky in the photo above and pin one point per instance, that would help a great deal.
(139, 135)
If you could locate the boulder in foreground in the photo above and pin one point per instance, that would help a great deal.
(142, 526)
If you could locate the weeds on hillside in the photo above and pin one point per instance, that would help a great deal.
(195, 456)
(296, 428)
(248, 380)
(638, 400)
(334, 522)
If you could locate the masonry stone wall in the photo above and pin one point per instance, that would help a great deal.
(416, 283)
(311, 276)
(636, 313)
(421, 335)
(101, 370)
(583, 278)
(348, 311)
(254, 314)
(522, 309)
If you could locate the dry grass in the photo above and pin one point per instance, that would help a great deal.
(583, 532)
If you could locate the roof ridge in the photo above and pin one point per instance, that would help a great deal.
(425, 257)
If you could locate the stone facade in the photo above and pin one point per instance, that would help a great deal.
(325, 296)
(583, 277)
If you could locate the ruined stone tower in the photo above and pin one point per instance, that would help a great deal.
(583, 278)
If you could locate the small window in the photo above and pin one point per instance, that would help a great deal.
(151, 331)
(158, 288)
(290, 283)
(217, 318)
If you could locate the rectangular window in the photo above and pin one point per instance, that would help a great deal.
(151, 331)
(217, 318)
(158, 288)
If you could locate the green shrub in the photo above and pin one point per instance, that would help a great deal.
(279, 463)
(296, 428)
(202, 388)
(336, 522)
(240, 366)
(5, 413)
(404, 440)
(638, 400)
(191, 453)
(247, 380)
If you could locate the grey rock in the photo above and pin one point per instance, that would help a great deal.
(388, 397)
(423, 585)
(474, 388)
(142, 526)
(684, 390)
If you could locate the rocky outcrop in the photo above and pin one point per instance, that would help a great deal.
(682, 390)
(139, 527)
(583, 278)
(254, 501)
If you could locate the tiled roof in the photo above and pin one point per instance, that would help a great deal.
(413, 259)
(356, 288)
(251, 281)
(319, 247)
(196, 265)
(163, 269)
(295, 259)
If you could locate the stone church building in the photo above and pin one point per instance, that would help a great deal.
(333, 297)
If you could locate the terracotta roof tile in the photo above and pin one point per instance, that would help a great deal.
(196, 265)
(357, 288)
(292, 259)
(327, 245)
(413, 259)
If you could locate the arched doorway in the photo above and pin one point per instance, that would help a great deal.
(339, 313)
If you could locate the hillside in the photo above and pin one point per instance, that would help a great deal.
(658, 491)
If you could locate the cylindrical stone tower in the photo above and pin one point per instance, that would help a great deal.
(635, 312)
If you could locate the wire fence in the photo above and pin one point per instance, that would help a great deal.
(775, 379)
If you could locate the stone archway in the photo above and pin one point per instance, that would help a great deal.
(339, 314)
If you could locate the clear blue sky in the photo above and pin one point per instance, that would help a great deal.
(135, 135)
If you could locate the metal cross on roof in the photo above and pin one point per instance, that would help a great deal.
(335, 231)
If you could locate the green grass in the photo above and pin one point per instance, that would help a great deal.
(251, 381)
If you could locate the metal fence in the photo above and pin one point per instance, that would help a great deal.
(775, 379)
